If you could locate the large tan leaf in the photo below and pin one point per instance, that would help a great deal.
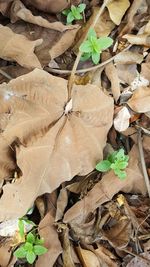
(110, 185)
(140, 100)
(52, 146)
(51, 5)
(16, 47)
(19, 11)
(117, 9)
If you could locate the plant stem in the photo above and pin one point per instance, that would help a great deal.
(143, 165)
(71, 79)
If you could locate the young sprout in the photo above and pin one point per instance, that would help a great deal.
(117, 161)
(74, 13)
(93, 46)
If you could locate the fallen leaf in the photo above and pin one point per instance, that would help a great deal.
(128, 57)
(5, 254)
(140, 39)
(139, 262)
(121, 121)
(16, 47)
(117, 9)
(58, 145)
(62, 202)
(89, 258)
(140, 100)
(51, 242)
(67, 251)
(106, 258)
(126, 73)
(110, 185)
(51, 5)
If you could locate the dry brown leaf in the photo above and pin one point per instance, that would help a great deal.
(16, 47)
(140, 39)
(62, 202)
(140, 100)
(139, 262)
(51, 242)
(19, 11)
(117, 9)
(127, 73)
(121, 122)
(12, 71)
(89, 258)
(112, 75)
(51, 5)
(67, 249)
(59, 146)
(106, 257)
(5, 254)
(128, 57)
(54, 43)
(5, 6)
(119, 234)
(104, 190)
(145, 70)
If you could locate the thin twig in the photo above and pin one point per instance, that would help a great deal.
(143, 165)
(87, 69)
(5, 74)
(71, 80)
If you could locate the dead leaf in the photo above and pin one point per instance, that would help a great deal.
(89, 258)
(140, 39)
(62, 202)
(51, 242)
(139, 262)
(51, 5)
(16, 47)
(67, 251)
(104, 190)
(126, 73)
(128, 57)
(106, 258)
(5, 254)
(140, 100)
(58, 145)
(121, 122)
(19, 11)
(117, 9)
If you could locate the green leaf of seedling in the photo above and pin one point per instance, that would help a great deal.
(28, 246)
(91, 32)
(103, 166)
(121, 174)
(30, 238)
(70, 17)
(30, 257)
(20, 253)
(81, 8)
(105, 42)
(112, 157)
(66, 12)
(86, 47)
(39, 241)
(40, 250)
(85, 56)
(95, 57)
(21, 227)
(120, 155)
(122, 165)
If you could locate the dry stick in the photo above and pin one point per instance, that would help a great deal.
(71, 80)
(5, 75)
(147, 182)
(88, 69)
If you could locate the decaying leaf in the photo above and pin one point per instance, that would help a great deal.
(139, 262)
(5, 255)
(121, 122)
(106, 258)
(117, 9)
(51, 5)
(49, 233)
(140, 100)
(128, 57)
(89, 258)
(16, 47)
(104, 190)
(51, 146)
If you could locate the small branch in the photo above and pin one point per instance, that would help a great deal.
(87, 69)
(147, 182)
(71, 80)
(5, 74)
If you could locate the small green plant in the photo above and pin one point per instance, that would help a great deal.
(117, 161)
(74, 13)
(93, 46)
(32, 247)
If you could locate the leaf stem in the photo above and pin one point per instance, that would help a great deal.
(72, 76)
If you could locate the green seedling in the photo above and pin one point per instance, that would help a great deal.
(74, 13)
(93, 46)
(117, 161)
(32, 247)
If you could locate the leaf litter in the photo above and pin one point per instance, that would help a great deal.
(55, 129)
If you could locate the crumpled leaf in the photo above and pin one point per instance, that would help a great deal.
(117, 9)
(106, 258)
(89, 258)
(51, 242)
(139, 262)
(16, 47)
(59, 146)
(19, 11)
(121, 122)
(104, 190)
(51, 5)
(140, 100)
